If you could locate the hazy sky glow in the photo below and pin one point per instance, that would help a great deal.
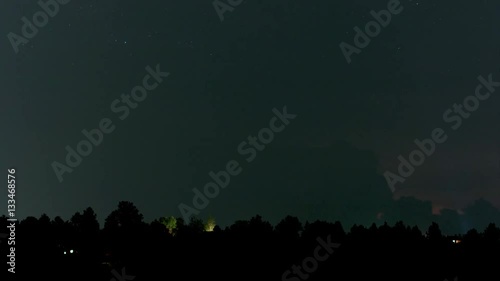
(225, 79)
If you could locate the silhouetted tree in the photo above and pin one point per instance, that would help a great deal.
(434, 232)
(492, 233)
(217, 229)
(257, 226)
(85, 223)
(126, 217)
(289, 227)
(472, 236)
(196, 225)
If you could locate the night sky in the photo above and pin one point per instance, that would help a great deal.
(225, 78)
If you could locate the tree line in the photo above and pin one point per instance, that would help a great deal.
(171, 248)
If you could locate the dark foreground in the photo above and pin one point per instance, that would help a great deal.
(248, 250)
